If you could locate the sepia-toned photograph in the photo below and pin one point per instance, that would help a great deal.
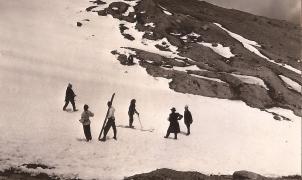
(150, 89)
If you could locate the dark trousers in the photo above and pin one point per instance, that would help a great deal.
(87, 132)
(168, 134)
(188, 128)
(72, 103)
(130, 119)
(110, 123)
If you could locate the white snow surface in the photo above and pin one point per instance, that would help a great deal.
(165, 11)
(208, 78)
(219, 49)
(251, 80)
(150, 24)
(250, 45)
(42, 50)
(184, 69)
(292, 84)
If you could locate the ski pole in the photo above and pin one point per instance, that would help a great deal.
(139, 119)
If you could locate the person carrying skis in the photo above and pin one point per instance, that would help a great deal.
(69, 97)
(110, 122)
(188, 119)
(131, 112)
(174, 117)
(86, 122)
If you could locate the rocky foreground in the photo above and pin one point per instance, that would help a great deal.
(199, 31)
(159, 174)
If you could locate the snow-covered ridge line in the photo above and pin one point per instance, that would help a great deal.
(185, 37)
(150, 45)
(219, 49)
(292, 84)
(183, 69)
(165, 10)
(207, 78)
(251, 80)
(131, 7)
(150, 24)
(249, 45)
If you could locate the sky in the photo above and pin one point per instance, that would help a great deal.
(289, 10)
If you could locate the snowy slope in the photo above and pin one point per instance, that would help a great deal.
(42, 50)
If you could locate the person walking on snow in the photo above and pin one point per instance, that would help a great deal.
(86, 122)
(110, 122)
(174, 117)
(69, 97)
(131, 112)
(188, 119)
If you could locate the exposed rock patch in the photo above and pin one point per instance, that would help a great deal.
(192, 22)
(168, 174)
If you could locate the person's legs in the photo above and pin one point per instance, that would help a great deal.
(188, 128)
(86, 131)
(114, 130)
(73, 105)
(168, 133)
(175, 135)
(130, 120)
(106, 129)
(66, 104)
(89, 132)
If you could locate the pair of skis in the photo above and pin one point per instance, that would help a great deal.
(107, 116)
(112, 97)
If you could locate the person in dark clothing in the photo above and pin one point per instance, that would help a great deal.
(131, 112)
(110, 122)
(86, 122)
(188, 119)
(174, 117)
(69, 97)
(130, 60)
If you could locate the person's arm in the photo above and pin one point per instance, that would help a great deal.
(179, 116)
(136, 111)
(91, 114)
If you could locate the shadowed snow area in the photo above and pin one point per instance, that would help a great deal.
(42, 50)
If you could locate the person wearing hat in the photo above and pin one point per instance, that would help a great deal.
(174, 117)
(69, 97)
(110, 123)
(131, 112)
(86, 122)
(188, 119)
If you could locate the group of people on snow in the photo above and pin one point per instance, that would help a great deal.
(173, 118)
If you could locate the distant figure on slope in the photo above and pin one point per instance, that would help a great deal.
(188, 119)
(86, 122)
(130, 60)
(131, 112)
(110, 123)
(174, 117)
(69, 97)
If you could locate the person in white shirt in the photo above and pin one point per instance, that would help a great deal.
(86, 122)
(110, 122)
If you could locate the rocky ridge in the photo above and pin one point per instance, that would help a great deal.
(202, 33)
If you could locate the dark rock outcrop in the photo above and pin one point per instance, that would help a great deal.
(168, 174)
(193, 16)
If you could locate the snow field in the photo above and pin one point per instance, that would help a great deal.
(250, 45)
(292, 84)
(46, 51)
